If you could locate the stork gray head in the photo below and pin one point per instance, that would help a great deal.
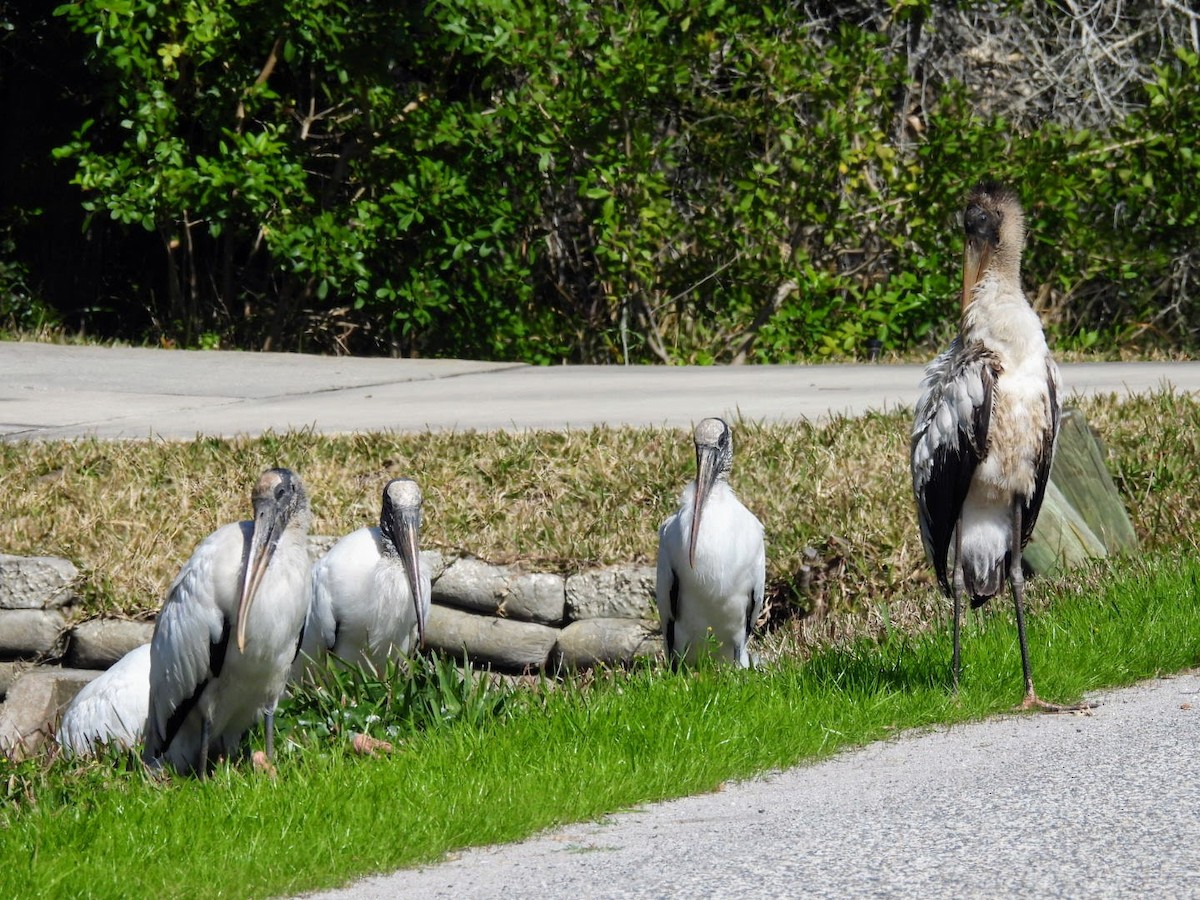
(280, 502)
(994, 225)
(714, 461)
(400, 525)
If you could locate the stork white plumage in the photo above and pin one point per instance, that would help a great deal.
(110, 709)
(370, 597)
(986, 424)
(229, 631)
(712, 559)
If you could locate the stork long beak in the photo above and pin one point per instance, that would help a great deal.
(406, 525)
(269, 523)
(977, 255)
(706, 475)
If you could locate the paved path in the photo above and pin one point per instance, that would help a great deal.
(1099, 805)
(49, 391)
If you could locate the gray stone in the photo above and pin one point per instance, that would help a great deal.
(504, 644)
(101, 642)
(433, 562)
(34, 704)
(30, 632)
(611, 642)
(473, 584)
(9, 672)
(36, 582)
(615, 592)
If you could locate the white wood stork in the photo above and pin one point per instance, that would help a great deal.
(370, 597)
(229, 631)
(986, 424)
(110, 709)
(711, 559)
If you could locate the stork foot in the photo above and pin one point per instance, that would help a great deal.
(365, 745)
(262, 763)
(1033, 701)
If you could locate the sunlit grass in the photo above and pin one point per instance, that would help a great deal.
(834, 497)
(548, 756)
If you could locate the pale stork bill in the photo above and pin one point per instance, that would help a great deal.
(248, 581)
(370, 596)
(110, 709)
(986, 425)
(711, 560)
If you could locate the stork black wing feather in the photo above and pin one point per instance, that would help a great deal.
(950, 439)
(1045, 459)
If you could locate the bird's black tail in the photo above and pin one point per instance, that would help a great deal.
(984, 579)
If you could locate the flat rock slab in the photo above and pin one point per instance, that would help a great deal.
(473, 584)
(614, 592)
(33, 706)
(99, 643)
(610, 642)
(36, 582)
(26, 633)
(9, 673)
(503, 644)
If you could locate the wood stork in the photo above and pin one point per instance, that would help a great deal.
(110, 709)
(711, 559)
(370, 597)
(229, 631)
(986, 424)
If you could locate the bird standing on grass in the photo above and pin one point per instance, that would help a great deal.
(986, 425)
(370, 597)
(110, 709)
(229, 631)
(711, 559)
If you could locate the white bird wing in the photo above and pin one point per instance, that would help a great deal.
(111, 708)
(758, 592)
(1045, 456)
(320, 627)
(949, 439)
(192, 632)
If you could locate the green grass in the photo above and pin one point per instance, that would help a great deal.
(570, 752)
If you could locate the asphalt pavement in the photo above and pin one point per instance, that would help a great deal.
(49, 391)
(1099, 805)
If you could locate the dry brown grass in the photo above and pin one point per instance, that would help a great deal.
(834, 497)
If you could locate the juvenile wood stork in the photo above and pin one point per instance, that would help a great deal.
(229, 631)
(986, 424)
(110, 709)
(370, 597)
(711, 559)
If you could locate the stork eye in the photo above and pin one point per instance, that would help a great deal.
(279, 492)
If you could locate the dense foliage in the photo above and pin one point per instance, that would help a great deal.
(660, 180)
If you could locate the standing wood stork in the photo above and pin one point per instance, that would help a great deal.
(711, 559)
(986, 424)
(110, 709)
(370, 597)
(229, 630)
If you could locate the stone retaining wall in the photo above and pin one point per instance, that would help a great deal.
(492, 616)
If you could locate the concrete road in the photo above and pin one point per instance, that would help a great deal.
(1105, 804)
(49, 391)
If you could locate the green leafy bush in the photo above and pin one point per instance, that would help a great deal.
(664, 180)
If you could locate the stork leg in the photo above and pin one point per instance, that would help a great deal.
(1016, 579)
(205, 733)
(269, 725)
(958, 587)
